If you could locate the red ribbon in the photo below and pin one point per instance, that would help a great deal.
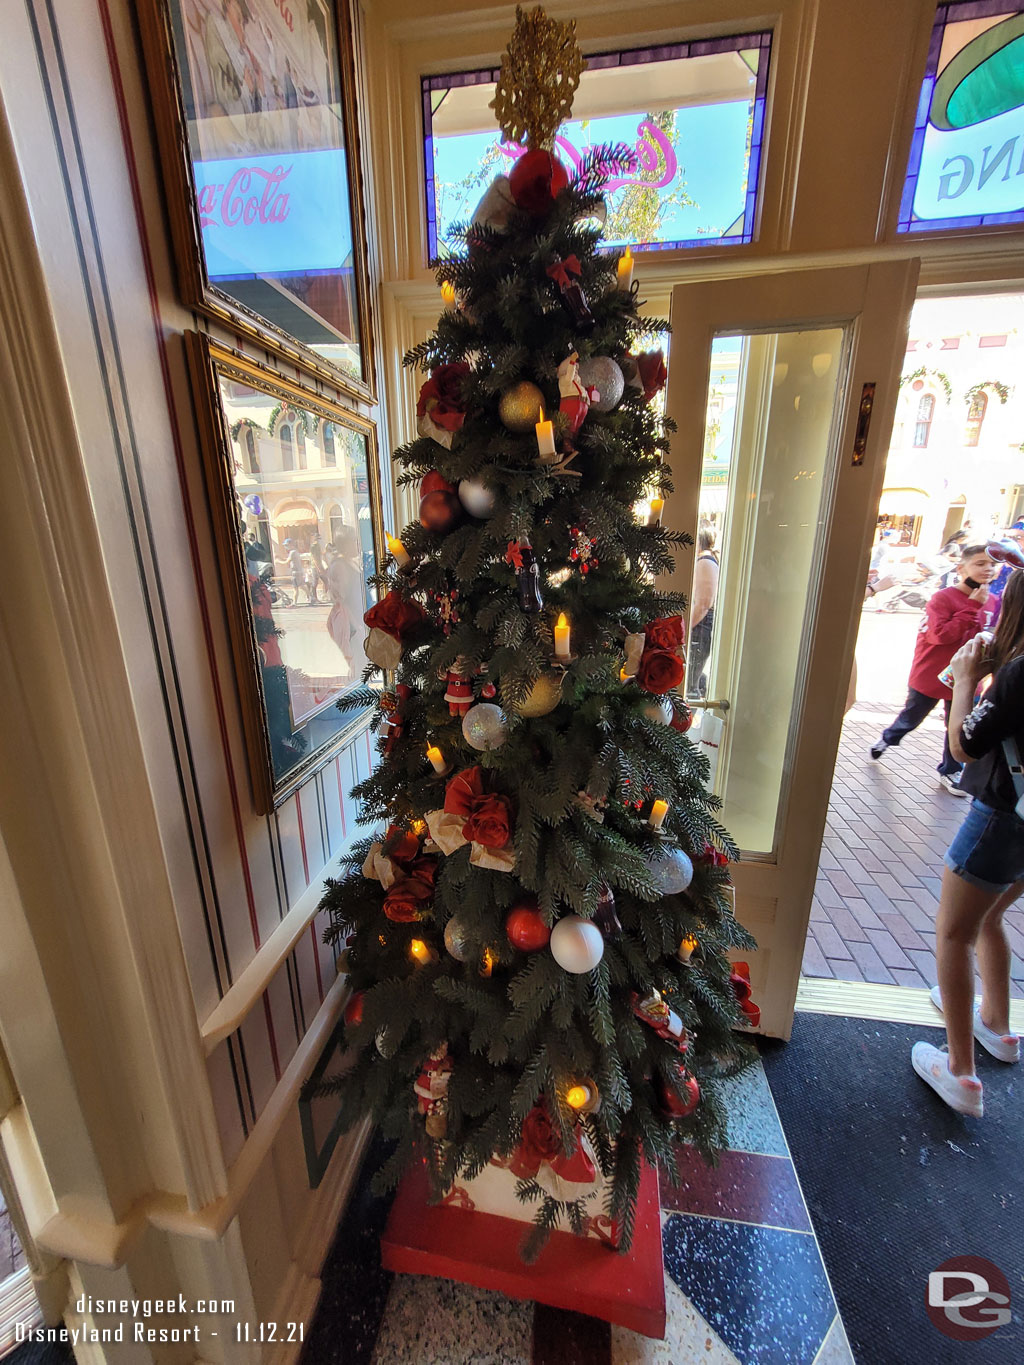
(561, 270)
(514, 554)
(463, 791)
(739, 979)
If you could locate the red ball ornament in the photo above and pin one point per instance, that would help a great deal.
(682, 718)
(525, 928)
(440, 511)
(679, 1106)
(435, 482)
(354, 1010)
(535, 179)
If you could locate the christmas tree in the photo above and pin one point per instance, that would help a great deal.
(537, 944)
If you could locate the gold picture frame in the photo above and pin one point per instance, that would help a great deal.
(295, 499)
(254, 107)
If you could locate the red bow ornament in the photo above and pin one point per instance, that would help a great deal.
(540, 1157)
(441, 407)
(390, 621)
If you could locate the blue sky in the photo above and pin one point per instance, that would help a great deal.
(711, 148)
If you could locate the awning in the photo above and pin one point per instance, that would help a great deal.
(295, 516)
(903, 502)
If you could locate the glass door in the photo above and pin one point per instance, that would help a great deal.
(783, 389)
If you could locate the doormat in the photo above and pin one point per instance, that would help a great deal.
(896, 1183)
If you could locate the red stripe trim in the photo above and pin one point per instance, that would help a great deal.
(176, 441)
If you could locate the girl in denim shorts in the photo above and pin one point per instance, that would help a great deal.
(984, 871)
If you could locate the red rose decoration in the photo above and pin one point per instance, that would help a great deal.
(395, 615)
(714, 857)
(463, 790)
(651, 372)
(664, 633)
(490, 823)
(660, 671)
(441, 397)
(540, 1140)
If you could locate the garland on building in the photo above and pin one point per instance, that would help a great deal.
(537, 937)
(923, 372)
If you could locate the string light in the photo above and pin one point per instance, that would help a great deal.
(422, 952)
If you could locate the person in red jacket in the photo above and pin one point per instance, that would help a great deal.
(953, 616)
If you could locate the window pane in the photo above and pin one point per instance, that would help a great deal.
(692, 112)
(964, 168)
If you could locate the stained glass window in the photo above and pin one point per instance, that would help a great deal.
(966, 165)
(694, 113)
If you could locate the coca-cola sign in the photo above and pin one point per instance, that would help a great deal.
(274, 215)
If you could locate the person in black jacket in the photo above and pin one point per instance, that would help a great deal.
(984, 865)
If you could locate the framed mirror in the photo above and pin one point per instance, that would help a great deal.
(255, 117)
(295, 501)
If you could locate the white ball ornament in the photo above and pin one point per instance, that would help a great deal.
(485, 726)
(478, 500)
(671, 870)
(659, 710)
(601, 372)
(576, 944)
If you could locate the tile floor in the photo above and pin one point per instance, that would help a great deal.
(744, 1279)
(889, 823)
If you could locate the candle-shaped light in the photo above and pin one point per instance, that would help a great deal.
(436, 759)
(686, 948)
(577, 1096)
(657, 507)
(487, 962)
(658, 812)
(625, 270)
(545, 437)
(562, 637)
(401, 555)
(448, 294)
(624, 677)
(422, 952)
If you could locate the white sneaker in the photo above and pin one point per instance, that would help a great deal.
(1005, 1047)
(951, 785)
(965, 1094)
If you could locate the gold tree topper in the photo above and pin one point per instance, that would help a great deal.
(540, 71)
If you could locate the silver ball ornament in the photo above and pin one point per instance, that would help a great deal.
(485, 726)
(478, 500)
(671, 870)
(601, 372)
(576, 944)
(455, 939)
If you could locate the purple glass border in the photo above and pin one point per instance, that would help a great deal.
(603, 61)
(906, 222)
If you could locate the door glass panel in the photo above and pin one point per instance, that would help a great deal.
(764, 503)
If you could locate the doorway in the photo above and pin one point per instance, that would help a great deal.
(790, 367)
(889, 821)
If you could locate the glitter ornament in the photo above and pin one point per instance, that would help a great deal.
(485, 726)
(577, 945)
(478, 500)
(670, 869)
(520, 406)
(455, 939)
(600, 372)
(543, 696)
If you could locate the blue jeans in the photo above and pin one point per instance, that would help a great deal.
(915, 708)
(988, 848)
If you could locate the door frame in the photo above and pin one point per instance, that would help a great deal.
(874, 301)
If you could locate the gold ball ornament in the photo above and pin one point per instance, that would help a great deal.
(519, 407)
(543, 696)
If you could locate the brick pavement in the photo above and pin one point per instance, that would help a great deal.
(889, 823)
